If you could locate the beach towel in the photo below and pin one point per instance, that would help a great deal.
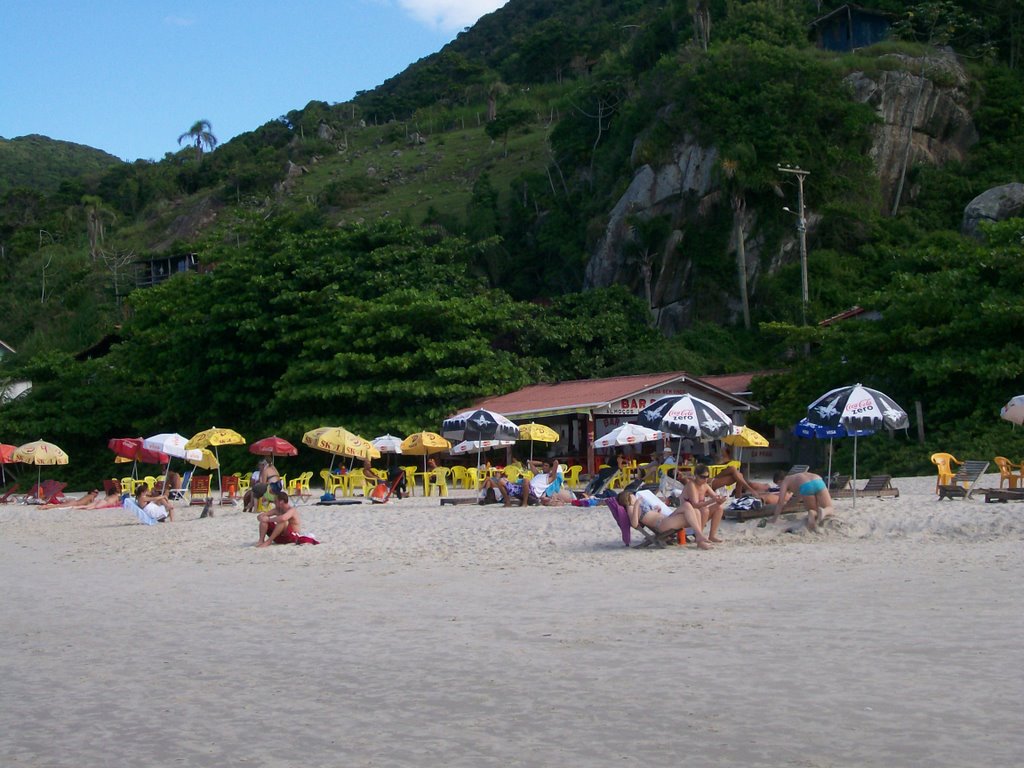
(289, 536)
(622, 518)
(144, 517)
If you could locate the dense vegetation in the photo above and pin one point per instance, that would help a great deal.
(381, 262)
(43, 163)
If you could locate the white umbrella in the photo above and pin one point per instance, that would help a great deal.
(628, 434)
(173, 445)
(475, 446)
(1013, 411)
(387, 443)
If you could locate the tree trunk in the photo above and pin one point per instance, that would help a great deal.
(739, 207)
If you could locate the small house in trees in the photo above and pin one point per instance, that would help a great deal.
(153, 271)
(849, 27)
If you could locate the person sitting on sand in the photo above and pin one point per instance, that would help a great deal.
(154, 508)
(643, 507)
(703, 498)
(500, 489)
(282, 527)
(813, 493)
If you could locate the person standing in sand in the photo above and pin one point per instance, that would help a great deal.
(282, 527)
(270, 476)
(813, 492)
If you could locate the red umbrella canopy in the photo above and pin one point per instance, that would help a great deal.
(5, 453)
(273, 446)
(131, 448)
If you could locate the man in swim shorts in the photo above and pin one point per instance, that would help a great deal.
(282, 527)
(813, 492)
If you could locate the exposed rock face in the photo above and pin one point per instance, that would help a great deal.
(933, 122)
(996, 204)
(651, 193)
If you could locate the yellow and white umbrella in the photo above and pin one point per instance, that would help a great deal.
(534, 431)
(423, 444)
(338, 441)
(214, 436)
(745, 437)
(40, 453)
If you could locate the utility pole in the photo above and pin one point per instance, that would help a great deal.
(801, 228)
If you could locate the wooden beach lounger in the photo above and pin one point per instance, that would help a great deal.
(1003, 495)
(877, 485)
(964, 481)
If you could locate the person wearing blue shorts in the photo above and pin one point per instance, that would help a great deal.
(813, 493)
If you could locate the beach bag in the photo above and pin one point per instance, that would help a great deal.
(327, 497)
(746, 502)
(379, 494)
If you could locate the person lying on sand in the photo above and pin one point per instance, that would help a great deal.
(108, 500)
(83, 502)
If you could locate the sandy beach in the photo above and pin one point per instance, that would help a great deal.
(418, 635)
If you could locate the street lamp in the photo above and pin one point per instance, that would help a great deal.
(801, 227)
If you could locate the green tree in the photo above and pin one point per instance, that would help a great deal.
(201, 137)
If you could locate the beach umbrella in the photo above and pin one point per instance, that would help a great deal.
(745, 437)
(475, 446)
(214, 437)
(807, 428)
(338, 441)
(131, 449)
(686, 416)
(173, 445)
(534, 431)
(273, 447)
(387, 443)
(207, 459)
(628, 434)
(40, 453)
(6, 457)
(1013, 411)
(857, 408)
(423, 444)
(479, 424)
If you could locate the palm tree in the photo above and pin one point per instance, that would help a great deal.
(199, 136)
(735, 168)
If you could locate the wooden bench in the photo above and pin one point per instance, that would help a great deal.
(1003, 495)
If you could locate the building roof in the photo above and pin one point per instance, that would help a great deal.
(586, 394)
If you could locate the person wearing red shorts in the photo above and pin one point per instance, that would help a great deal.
(282, 527)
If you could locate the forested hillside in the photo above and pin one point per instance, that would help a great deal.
(42, 164)
(380, 262)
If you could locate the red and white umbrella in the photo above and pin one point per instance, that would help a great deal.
(273, 446)
(628, 434)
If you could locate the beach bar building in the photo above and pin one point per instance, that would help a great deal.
(582, 411)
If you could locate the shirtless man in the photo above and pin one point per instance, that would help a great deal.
(813, 492)
(283, 527)
(702, 497)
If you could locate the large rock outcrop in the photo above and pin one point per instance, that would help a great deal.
(996, 204)
(922, 120)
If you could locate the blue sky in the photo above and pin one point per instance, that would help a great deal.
(129, 77)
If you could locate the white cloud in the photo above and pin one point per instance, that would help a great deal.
(450, 14)
(178, 21)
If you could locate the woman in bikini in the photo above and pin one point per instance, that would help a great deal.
(643, 507)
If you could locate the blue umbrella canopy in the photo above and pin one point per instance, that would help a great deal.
(807, 428)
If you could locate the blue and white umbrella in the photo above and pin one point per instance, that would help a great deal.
(856, 409)
(686, 416)
(479, 425)
(807, 428)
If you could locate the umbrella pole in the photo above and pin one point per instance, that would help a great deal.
(830, 458)
(855, 470)
(220, 487)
